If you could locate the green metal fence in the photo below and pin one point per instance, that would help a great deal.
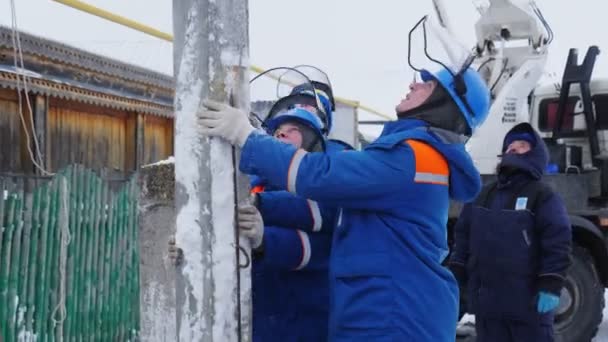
(69, 260)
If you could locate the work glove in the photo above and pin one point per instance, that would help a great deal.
(176, 254)
(221, 120)
(251, 224)
(546, 302)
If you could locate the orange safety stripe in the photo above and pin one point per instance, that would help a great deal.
(257, 189)
(431, 166)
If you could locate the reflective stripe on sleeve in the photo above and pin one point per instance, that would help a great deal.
(425, 177)
(305, 249)
(315, 212)
(431, 166)
(292, 172)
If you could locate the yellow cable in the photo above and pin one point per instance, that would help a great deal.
(373, 111)
(96, 11)
(116, 18)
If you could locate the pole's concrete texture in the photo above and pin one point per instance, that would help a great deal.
(157, 274)
(211, 61)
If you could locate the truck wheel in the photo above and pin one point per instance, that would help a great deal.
(582, 300)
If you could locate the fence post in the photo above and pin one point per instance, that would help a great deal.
(68, 259)
(64, 238)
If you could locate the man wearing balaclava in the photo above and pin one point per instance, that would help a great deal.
(387, 281)
(438, 109)
(512, 246)
(291, 241)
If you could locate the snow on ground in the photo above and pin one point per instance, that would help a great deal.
(170, 160)
(602, 334)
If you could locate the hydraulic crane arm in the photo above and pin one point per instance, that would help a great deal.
(511, 47)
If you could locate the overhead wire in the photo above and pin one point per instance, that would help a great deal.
(37, 160)
(502, 71)
(542, 19)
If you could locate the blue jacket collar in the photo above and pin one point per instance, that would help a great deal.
(465, 181)
(402, 125)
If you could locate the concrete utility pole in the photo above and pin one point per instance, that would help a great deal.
(210, 60)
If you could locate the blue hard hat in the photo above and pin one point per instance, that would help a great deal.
(323, 93)
(322, 89)
(304, 97)
(299, 115)
(468, 90)
(327, 107)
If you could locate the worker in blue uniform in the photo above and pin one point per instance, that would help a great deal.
(512, 246)
(291, 241)
(387, 282)
(290, 235)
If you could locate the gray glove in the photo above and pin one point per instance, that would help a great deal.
(251, 224)
(221, 120)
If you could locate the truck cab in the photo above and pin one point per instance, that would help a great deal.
(572, 118)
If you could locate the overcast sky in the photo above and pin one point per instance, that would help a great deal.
(362, 45)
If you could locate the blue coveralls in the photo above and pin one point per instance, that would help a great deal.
(386, 278)
(512, 244)
(290, 280)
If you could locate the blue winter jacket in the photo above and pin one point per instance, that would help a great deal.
(303, 214)
(290, 280)
(290, 286)
(386, 278)
(514, 240)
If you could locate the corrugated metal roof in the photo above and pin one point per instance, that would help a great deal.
(66, 54)
(82, 93)
(58, 70)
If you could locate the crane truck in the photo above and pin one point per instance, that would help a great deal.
(512, 41)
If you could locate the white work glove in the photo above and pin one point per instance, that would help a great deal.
(221, 120)
(251, 224)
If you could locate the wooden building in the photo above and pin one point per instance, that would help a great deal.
(85, 109)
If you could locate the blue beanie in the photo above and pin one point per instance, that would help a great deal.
(511, 137)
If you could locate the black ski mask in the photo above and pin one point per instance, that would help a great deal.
(440, 111)
(311, 141)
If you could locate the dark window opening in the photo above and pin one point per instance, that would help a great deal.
(548, 114)
(600, 102)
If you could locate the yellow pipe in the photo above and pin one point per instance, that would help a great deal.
(257, 69)
(341, 100)
(373, 111)
(96, 11)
